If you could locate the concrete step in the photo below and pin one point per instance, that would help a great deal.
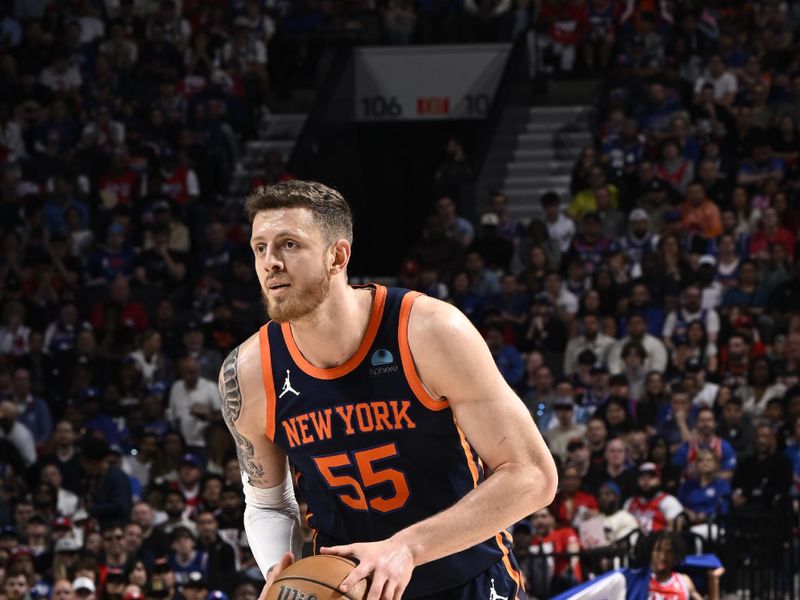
(557, 181)
(534, 153)
(283, 126)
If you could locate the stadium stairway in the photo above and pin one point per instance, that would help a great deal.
(533, 151)
(277, 132)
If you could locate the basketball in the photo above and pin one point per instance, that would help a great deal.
(316, 578)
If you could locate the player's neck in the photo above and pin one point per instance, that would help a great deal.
(333, 333)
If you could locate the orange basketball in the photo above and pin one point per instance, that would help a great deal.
(316, 578)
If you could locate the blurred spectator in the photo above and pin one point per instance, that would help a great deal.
(763, 479)
(16, 433)
(572, 505)
(705, 495)
(193, 402)
(591, 339)
(655, 510)
(221, 557)
(614, 468)
(507, 358)
(456, 227)
(736, 428)
(703, 437)
(563, 25)
(109, 492)
(616, 522)
(32, 411)
(548, 539)
(565, 430)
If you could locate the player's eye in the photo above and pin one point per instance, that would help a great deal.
(261, 248)
(290, 244)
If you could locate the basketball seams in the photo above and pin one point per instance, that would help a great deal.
(299, 577)
(314, 581)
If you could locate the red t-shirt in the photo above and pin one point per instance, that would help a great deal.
(566, 508)
(760, 241)
(556, 542)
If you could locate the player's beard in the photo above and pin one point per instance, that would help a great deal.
(298, 302)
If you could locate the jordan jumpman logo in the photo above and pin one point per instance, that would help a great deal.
(287, 386)
(493, 595)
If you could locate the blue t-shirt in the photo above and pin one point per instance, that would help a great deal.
(793, 452)
(707, 499)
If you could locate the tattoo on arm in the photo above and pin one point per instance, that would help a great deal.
(231, 403)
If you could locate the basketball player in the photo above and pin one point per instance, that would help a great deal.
(391, 411)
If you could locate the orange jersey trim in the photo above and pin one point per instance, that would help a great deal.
(473, 468)
(378, 304)
(269, 385)
(512, 572)
(407, 359)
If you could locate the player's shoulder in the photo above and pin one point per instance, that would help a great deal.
(244, 359)
(434, 317)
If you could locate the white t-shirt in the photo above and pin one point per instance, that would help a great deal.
(723, 85)
(562, 231)
(205, 393)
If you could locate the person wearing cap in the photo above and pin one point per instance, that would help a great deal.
(654, 510)
(496, 249)
(507, 226)
(188, 482)
(193, 403)
(565, 429)
(560, 227)
(591, 338)
(612, 525)
(110, 498)
(639, 239)
(85, 588)
(195, 587)
(184, 557)
(114, 584)
(655, 352)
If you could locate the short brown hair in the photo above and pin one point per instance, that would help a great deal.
(329, 209)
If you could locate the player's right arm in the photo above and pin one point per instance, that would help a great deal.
(271, 517)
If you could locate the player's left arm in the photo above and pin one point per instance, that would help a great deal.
(454, 362)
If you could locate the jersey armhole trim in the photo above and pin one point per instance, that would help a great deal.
(269, 384)
(410, 371)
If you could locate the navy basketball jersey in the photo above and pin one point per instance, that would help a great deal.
(373, 452)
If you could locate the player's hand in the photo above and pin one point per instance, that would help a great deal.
(284, 562)
(388, 564)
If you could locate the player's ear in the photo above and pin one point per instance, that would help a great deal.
(339, 256)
